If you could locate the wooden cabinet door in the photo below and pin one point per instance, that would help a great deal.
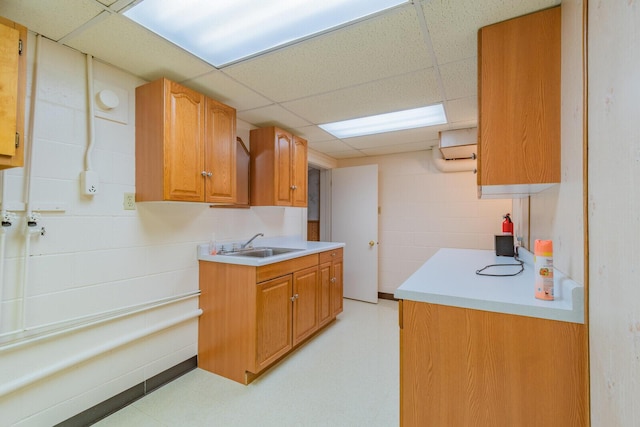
(184, 144)
(283, 174)
(273, 320)
(463, 367)
(220, 153)
(519, 100)
(300, 172)
(336, 290)
(13, 75)
(305, 303)
(324, 293)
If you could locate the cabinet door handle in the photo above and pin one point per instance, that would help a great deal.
(203, 173)
(295, 297)
(209, 174)
(333, 280)
(294, 187)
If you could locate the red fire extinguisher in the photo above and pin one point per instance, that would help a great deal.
(507, 225)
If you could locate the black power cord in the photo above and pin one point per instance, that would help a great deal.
(515, 257)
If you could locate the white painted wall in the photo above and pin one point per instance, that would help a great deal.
(423, 210)
(614, 212)
(557, 213)
(96, 257)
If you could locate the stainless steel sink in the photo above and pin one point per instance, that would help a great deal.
(263, 252)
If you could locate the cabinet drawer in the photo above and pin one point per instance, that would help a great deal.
(330, 255)
(271, 271)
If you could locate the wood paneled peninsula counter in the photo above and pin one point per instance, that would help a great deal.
(258, 309)
(483, 351)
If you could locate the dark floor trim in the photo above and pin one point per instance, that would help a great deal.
(384, 295)
(119, 401)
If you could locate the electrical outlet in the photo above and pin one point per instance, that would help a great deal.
(129, 201)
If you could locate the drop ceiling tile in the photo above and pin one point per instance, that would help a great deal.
(462, 110)
(402, 92)
(223, 88)
(137, 50)
(330, 146)
(53, 22)
(350, 154)
(399, 148)
(109, 2)
(453, 25)
(272, 115)
(460, 78)
(313, 133)
(374, 49)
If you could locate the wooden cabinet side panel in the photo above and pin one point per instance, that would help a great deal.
(468, 367)
(324, 293)
(9, 71)
(220, 152)
(261, 176)
(184, 144)
(227, 326)
(305, 304)
(519, 100)
(15, 109)
(336, 291)
(273, 321)
(300, 172)
(150, 129)
(242, 173)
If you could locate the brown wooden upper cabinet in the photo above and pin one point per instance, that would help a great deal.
(13, 86)
(185, 145)
(278, 168)
(519, 105)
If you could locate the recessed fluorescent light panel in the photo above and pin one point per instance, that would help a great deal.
(389, 122)
(225, 31)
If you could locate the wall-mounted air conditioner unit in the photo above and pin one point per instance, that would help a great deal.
(459, 143)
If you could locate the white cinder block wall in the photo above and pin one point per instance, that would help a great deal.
(423, 210)
(96, 257)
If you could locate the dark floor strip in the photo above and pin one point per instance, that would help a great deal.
(384, 295)
(119, 401)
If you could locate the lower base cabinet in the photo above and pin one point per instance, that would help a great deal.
(463, 367)
(254, 316)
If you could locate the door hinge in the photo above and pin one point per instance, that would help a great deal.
(17, 139)
(20, 47)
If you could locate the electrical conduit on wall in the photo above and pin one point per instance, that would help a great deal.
(30, 217)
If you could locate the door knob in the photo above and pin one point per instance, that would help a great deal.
(371, 243)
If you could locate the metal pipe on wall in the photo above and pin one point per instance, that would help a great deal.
(78, 358)
(30, 217)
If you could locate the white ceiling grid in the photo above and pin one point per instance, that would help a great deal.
(417, 54)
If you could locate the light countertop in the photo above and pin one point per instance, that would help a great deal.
(306, 248)
(449, 278)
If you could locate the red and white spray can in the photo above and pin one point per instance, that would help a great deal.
(543, 265)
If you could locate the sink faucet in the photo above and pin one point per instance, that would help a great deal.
(244, 245)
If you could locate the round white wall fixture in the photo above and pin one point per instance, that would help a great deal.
(107, 99)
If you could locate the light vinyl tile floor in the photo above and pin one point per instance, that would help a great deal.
(347, 375)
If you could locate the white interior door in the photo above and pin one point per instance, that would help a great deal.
(354, 221)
